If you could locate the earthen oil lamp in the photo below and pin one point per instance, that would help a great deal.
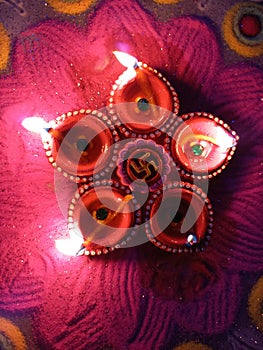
(179, 218)
(141, 98)
(104, 214)
(79, 144)
(202, 145)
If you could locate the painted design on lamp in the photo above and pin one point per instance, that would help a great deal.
(203, 145)
(143, 162)
(84, 146)
(141, 97)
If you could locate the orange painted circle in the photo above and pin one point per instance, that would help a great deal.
(73, 7)
(192, 346)
(242, 47)
(11, 335)
(5, 46)
(255, 304)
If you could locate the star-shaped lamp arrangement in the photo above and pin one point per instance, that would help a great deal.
(141, 169)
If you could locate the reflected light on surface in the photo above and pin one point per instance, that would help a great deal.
(35, 124)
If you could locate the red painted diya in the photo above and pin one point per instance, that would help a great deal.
(203, 145)
(141, 98)
(78, 144)
(84, 146)
(179, 218)
(104, 215)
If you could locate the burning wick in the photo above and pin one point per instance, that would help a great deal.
(35, 124)
(39, 126)
(135, 70)
(69, 246)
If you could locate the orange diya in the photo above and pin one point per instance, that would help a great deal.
(142, 98)
(78, 144)
(179, 219)
(84, 145)
(104, 214)
(202, 145)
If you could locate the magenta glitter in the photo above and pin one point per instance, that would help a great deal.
(131, 299)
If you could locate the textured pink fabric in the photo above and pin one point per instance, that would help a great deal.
(136, 298)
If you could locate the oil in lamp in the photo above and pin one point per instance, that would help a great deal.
(104, 214)
(84, 145)
(142, 98)
(78, 144)
(202, 145)
(179, 218)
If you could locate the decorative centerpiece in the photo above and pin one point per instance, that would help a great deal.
(136, 165)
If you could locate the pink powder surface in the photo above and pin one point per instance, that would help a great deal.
(139, 298)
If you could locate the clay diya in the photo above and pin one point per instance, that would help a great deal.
(203, 145)
(179, 218)
(78, 144)
(142, 99)
(105, 215)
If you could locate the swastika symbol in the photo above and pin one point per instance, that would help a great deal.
(144, 169)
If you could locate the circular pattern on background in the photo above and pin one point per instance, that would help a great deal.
(10, 336)
(255, 304)
(243, 29)
(70, 7)
(192, 346)
(4, 47)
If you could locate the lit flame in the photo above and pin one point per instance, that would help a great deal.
(69, 246)
(225, 140)
(35, 124)
(130, 63)
(126, 60)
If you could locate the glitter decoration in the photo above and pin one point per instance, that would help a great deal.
(243, 29)
(85, 300)
(10, 336)
(255, 304)
(70, 7)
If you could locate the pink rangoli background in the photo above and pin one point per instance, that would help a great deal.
(137, 298)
